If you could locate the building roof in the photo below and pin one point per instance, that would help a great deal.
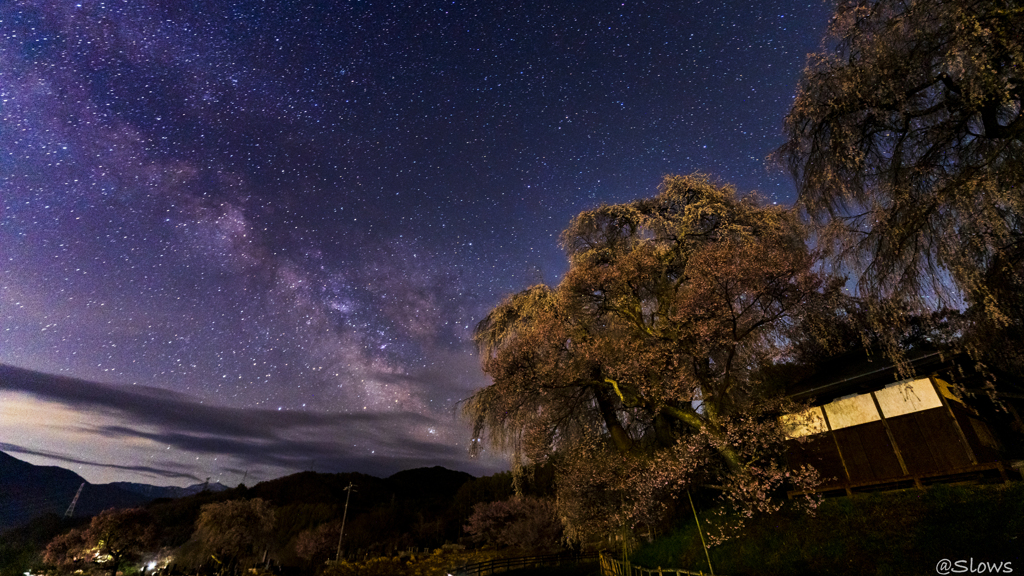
(857, 372)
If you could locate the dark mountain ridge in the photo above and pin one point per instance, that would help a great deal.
(28, 491)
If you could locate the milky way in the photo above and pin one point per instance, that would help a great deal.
(305, 207)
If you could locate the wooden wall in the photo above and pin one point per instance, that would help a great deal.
(907, 431)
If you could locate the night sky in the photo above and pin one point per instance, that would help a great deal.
(259, 233)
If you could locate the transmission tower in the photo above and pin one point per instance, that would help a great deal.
(71, 509)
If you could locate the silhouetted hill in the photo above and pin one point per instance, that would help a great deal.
(417, 488)
(428, 483)
(413, 508)
(430, 490)
(28, 491)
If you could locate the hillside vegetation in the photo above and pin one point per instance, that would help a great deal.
(412, 512)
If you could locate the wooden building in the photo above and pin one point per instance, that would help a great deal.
(865, 431)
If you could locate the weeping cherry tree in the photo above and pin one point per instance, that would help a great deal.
(637, 376)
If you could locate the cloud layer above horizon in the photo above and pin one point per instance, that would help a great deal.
(169, 436)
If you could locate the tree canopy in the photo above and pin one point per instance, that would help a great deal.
(235, 530)
(317, 545)
(112, 538)
(637, 375)
(526, 524)
(906, 140)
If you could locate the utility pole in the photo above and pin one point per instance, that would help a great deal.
(71, 509)
(348, 490)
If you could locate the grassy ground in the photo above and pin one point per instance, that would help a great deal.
(895, 533)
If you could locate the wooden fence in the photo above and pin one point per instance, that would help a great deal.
(612, 567)
(506, 564)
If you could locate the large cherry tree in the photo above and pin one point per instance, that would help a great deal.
(637, 375)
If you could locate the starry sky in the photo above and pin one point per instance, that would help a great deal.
(253, 237)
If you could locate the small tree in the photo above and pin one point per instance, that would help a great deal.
(68, 551)
(113, 538)
(317, 545)
(523, 523)
(234, 531)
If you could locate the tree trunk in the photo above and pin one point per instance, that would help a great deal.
(619, 437)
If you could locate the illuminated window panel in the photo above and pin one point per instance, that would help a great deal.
(851, 411)
(907, 396)
(806, 423)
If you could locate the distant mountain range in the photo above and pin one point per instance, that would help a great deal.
(154, 492)
(28, 491)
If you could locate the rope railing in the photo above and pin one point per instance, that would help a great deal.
(505, 564)
(613, 567)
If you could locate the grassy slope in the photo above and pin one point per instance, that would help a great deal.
(898, 533)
